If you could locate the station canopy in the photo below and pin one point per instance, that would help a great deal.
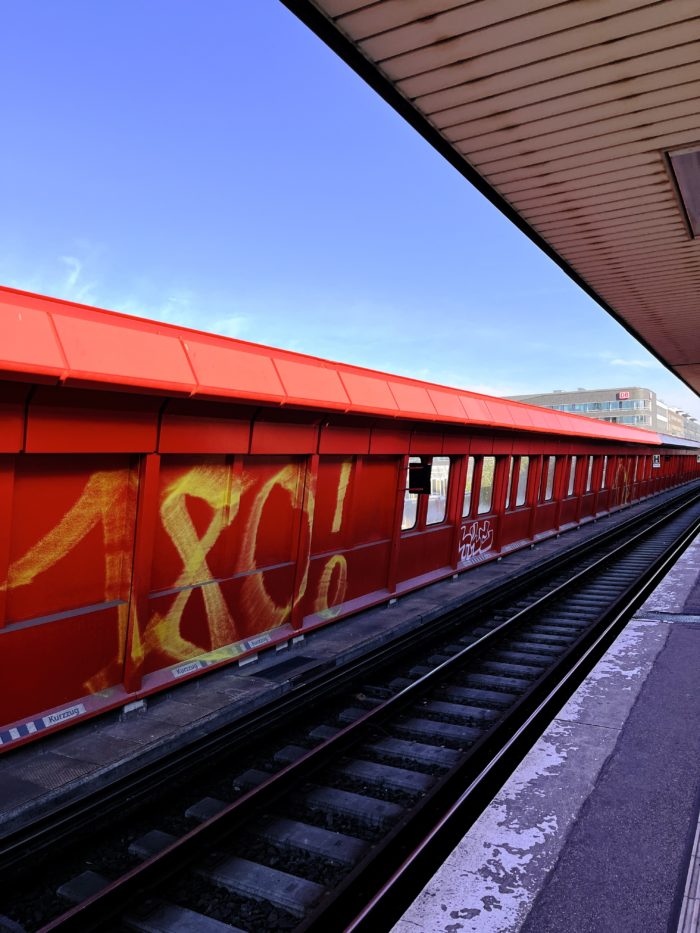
(579, 120)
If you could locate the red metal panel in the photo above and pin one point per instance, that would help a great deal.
(389, 440)
(13, 397)
(423, 442)
(306, 382)
(475, 409)
(302, 533)
(412, 398)
(71, 534)
(333, 511)
(270, 437)
(502, 413)
(447, 404)
(111, 349)
(369, 393)
(63, 420)
(7, 482)
(339, 578)
(225, 368)
(423, 551)
(481, 445)
(456, 444)
(339, 439)
(29, 342)
(196, 427)
(373, 500)
(57, 662)
(502, 445)
(216, 523)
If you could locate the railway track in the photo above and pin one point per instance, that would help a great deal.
(333, 836)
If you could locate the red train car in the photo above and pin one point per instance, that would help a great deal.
(173, 500)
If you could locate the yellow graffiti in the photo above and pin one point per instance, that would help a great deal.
(102, 500)
(326, 603)
(258, 601)
(108, 500)
(343, 481)
(201, 482)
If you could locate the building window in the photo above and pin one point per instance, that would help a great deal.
(439, 482)
(572, 476)
(488, 465)
(604, 474)
(467, 503)
(589, 474)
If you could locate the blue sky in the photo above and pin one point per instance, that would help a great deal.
(215, 165)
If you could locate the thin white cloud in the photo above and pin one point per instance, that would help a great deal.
(74, 287)
(75, 266)
(644, 364)
(233, 326)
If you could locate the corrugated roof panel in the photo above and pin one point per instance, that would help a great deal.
(369, 392)
(565, 110)
(446, 404)
(475, 409)
(310, 382)
(412, 398)
(29, 342)
(224, 370)
(111, 352)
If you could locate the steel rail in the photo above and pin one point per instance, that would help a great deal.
(399, 891)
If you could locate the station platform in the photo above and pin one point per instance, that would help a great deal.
(597, 830)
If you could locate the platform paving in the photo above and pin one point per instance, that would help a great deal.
(65, 766)
(597, 830)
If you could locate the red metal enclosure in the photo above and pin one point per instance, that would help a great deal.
(156, 524)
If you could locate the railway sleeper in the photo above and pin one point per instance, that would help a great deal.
(365, 810)
(251, 879)
(379, 775)
(151, 843)
(206, 808)
(544, 641)
(459, 711)
(304, 837)
(540, 653)
(489, 699)
(546, 627)
(162, 917)
(439, 731)
(524, 656)
(496, 666)
(509, 685)
(402, 750)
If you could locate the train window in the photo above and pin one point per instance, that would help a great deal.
(437, 499)
(510, 480)
(467, 504)
(572, 476)
(604, 474)
(486, 485)
(589, 474)
(522, 481)
(410, 502)
(548, 479)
